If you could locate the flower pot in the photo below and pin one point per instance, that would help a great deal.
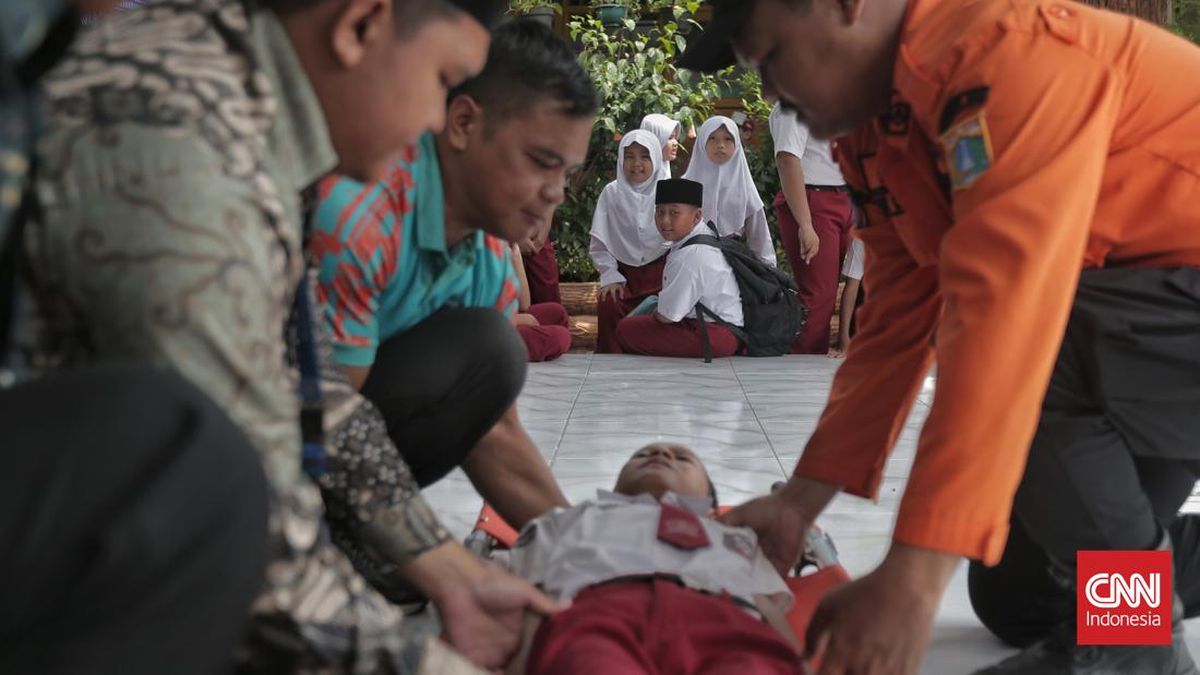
(610, 15)
(542, 15)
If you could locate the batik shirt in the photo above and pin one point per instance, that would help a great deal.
(383, 260)
(181, 136)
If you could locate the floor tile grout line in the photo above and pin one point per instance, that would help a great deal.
(563, 434)
(771, 444)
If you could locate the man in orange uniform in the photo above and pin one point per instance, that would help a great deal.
(999, 147)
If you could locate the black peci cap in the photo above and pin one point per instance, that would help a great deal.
(679, 191)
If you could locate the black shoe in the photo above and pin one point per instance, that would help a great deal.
(1059, 655)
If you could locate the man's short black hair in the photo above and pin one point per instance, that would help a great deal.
(411, 14)
(527, 64)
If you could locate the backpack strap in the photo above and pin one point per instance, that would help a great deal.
(701, 310)
(706, 239)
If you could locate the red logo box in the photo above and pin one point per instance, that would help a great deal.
(1123, 598)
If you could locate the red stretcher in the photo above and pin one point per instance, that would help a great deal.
(492, 533)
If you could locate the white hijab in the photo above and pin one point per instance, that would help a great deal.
(624, 216)
(662, 126)
(730, 196)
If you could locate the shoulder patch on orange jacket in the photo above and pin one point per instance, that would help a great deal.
(968, 148)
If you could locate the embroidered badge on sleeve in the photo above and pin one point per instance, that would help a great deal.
(968, 148)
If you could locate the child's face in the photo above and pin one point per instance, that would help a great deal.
(662, 467)
(720, 146)
(671, 149)
(676, 221)
(637, 164)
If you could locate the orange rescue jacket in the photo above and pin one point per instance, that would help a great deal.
(1027, 139)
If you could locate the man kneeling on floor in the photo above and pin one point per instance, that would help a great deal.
(693, 275)
(657, 585)
(413, 269)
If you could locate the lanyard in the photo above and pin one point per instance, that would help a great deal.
(312, 402)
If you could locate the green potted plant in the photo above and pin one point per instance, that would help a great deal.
(611, 12)
(536, 10)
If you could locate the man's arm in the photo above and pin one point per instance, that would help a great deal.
(891, 356)
(1008, 272)
(510, 473)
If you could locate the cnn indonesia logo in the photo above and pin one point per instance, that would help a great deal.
(1124, 598)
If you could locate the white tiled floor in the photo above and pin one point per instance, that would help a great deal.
(748, 419)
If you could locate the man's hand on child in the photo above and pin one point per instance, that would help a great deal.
(613, 292)
(880, 624)
(482, 607)
(526, 320)
(484, 619)
(782, 518)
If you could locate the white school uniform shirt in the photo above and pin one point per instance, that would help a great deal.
(816, 156)
(616, 536)
(853, 267)
(662, 126)
(623, 223)
(731, 199)
(699, 273)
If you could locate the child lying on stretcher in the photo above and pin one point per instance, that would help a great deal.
(657, 585)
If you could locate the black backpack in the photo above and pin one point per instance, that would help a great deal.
(771, 309)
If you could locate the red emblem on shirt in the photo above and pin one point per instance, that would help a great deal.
(681, 528)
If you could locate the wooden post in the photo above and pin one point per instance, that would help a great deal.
(1156, 11)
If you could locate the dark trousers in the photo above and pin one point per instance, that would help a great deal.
(640, 283)
(1117, 448)
(541, 269)
(133, 516)
(648, 336)
(817, 280)
(551, 338)
(442, 384)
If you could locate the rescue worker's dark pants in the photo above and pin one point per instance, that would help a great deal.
(444, 383)
(1117, 448)
(133, 526)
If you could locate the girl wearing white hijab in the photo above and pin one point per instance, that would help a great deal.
(731, 200)
(626, 246)
(667, 131)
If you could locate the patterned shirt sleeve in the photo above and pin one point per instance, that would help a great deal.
(373, 505)
(500, 267)
(355, 250)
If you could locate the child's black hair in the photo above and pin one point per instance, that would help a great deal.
(712, 490)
